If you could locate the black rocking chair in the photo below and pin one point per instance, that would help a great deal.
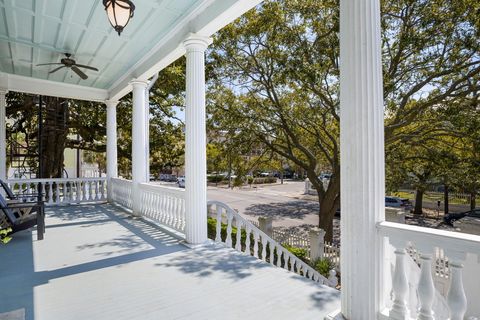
(23, 215)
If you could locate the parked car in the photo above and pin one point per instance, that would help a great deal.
(452, 217)
(392, 202)
(396, 202)
(181, 181)
(168, 177)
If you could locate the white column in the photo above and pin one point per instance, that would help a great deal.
(195, 141)
(362, 154)
(3, 136)
(112, 163)
(151, 83)
(139, 141)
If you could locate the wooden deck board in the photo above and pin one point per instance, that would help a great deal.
(96, 262)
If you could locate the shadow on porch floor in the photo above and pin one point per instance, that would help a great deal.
(96, 262)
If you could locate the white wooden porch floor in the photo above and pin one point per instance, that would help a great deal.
(96, 262)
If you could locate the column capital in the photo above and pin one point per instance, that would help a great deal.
(137, 83)
(111, 103)
(195, 42)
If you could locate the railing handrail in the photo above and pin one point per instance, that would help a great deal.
(314, 274)
(43, 180)
(155, 187)
(448, 240)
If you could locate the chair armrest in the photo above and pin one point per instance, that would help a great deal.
(23, 205)
(27, 195)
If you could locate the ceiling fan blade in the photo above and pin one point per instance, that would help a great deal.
(86, 67)
(79, 72)
(48, 64)
(56, 69)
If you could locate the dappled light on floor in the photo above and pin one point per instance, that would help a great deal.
(98, 262)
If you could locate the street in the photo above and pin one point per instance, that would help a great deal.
(282, 202)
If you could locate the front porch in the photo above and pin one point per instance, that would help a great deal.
(99, 262)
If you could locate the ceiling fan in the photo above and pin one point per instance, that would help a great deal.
(69, 63)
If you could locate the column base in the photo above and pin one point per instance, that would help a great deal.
(335, 315)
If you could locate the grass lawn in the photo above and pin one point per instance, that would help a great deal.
(430, 197)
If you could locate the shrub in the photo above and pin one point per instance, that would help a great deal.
(4, 235)
(300, 253)
(215, 179)
(263, 180)
(323, 266)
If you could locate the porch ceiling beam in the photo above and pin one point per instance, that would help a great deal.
(51, 88)
(214, 15)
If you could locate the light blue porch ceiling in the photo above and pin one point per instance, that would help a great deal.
(41, 31)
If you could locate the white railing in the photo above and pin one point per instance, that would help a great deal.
(455, 249)
(62, 191)
(121, 192)
(165, 205)
(259, 244)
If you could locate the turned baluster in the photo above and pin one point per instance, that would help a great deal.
(426, 288)
(50, 192)
(97, 195)
(255, 243)
(102, 189)
(28, 188)
(272, 253)
(57, 193)
(182, 210)
(264, 248)
(85, 190)
(156, 207)
(279, 256)
(456, 298)
(238, 243)
(70, 192)
(165, 209)
(399, 309)
(286, 256)
(79, 191)
(65, 192)
(91, 190)
(176, 216)
(168, 217)
(228, 241)
(161, 208)
(248, 231)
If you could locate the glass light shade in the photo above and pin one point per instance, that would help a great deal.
(119, 13)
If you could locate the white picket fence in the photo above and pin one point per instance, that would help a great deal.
(62, 191)
(290, 238)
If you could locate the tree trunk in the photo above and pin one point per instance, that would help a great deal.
(419, 201)
(472, 200)
(325, 221)
(445, 199)
(329, 204)
(53, 137)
